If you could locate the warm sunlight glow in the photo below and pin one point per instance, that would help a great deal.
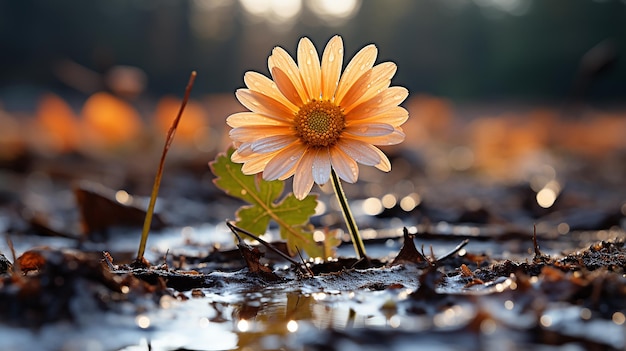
(273, 10)
(193, 124)
(331, 9)
(109, 121)
(57, 124)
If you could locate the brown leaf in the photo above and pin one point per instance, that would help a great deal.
(31, 260)
(409, 254)
(100, 209)
(252, 257)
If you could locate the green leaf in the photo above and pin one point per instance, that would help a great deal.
(291, 215)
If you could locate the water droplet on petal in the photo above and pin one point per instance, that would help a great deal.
(331, 57)
(341, 51)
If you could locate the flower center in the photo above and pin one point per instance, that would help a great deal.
(319, 123)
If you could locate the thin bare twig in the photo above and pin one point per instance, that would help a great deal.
(236, 229)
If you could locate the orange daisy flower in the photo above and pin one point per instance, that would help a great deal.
(310, 118)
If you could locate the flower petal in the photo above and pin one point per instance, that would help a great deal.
(284, 162)
(303, 177)
(380, 80)
(272, 143)
(257, 82)
(332, 60)
(281, 59)
(345, 167)
(359, 151)
(369, 129)
(321, 166)
(310, 71)
(242, 154)
(286, 87)
(242, 119)
(394, 138)
(259, 103)
(356, 91)
(394, 116)
(252, 133)
(380, 103)
(384, 164)
(257, 164)
(360, 63)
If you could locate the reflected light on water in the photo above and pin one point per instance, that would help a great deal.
(243, 325)
(389, 201)
(488, 326)
(319, 296)
(619, 318)
(142, 321)
(395, 321)
(203, 322)
(319, 236)
(452, 316)
(292, 326)
(562, 228)
(546, 197)
(408, 203)
(123, 197)
(372, 206)
(585, 313)
(320, 208)
(545, 320)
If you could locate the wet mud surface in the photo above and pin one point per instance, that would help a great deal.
(489, 267)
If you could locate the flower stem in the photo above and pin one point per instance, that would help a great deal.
(359, 248)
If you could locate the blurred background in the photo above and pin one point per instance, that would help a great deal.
(517, 91)
(460, 49)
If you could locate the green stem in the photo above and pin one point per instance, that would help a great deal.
(359, 248)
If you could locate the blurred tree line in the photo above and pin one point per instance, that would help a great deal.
(461, 49)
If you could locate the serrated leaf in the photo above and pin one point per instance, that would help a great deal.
(299, 237)
(291, 215)
(231, 179)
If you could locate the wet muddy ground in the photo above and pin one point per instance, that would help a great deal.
(476, 277)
